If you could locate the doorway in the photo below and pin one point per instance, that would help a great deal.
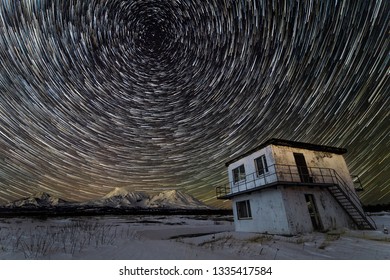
(313, 212)
(303, 171)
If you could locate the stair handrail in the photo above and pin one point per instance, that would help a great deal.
(353, 197)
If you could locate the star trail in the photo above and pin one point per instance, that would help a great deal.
(154, 94)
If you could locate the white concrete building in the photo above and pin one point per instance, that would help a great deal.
(286, 187)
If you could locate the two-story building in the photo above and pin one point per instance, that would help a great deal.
(287, 187)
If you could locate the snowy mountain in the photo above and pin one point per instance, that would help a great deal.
(38, 200)
(176, 200)
(171, 199)
(121, 197)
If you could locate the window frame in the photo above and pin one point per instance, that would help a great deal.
(263, 160)
(240, 175)
(244, 211)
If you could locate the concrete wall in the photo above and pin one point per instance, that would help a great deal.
(285, 155)
(268, 213)
(332, 216)
(283, 210)
(281, 156)
(252, 179)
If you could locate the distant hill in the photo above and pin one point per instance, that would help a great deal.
(118, 198)
(38, 200)
(170, 199)
(121, 198)
(176, 199)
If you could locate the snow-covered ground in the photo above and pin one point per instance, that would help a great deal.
(178, 237)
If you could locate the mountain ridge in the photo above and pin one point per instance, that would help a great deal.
(119, 198)
(38, 200)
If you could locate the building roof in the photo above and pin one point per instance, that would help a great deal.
(293, 144)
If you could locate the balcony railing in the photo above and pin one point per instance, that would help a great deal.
(291, 174)
(280, 173)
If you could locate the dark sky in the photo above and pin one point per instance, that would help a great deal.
(160, 94)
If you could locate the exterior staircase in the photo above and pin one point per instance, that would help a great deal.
(349, 201)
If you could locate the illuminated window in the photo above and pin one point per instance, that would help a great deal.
(261, 165)
(239, 174)
(244, 209)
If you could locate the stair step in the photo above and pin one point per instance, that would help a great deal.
(337, 191)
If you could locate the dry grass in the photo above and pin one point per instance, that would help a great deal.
(74, 237)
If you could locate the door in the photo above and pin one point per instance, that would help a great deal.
(303, 171)
(313, 212)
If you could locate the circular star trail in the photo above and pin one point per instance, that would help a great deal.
(157, 94)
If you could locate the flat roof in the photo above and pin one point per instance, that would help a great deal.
(293, 144)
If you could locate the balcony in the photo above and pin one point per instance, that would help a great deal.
(279, 174)
(304, 176)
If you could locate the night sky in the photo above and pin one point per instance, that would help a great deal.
(159, 94)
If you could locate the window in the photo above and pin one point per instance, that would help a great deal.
(239, 174)
(261, 165)
(244, 210)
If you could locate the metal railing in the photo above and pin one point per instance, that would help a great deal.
(279, 173)
(350, 195)
(287, 174)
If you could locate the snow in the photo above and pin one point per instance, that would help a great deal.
(118, 198)
(178, 237)
(117, 192)
(176, 199)
(40, 199)
(121, 197)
